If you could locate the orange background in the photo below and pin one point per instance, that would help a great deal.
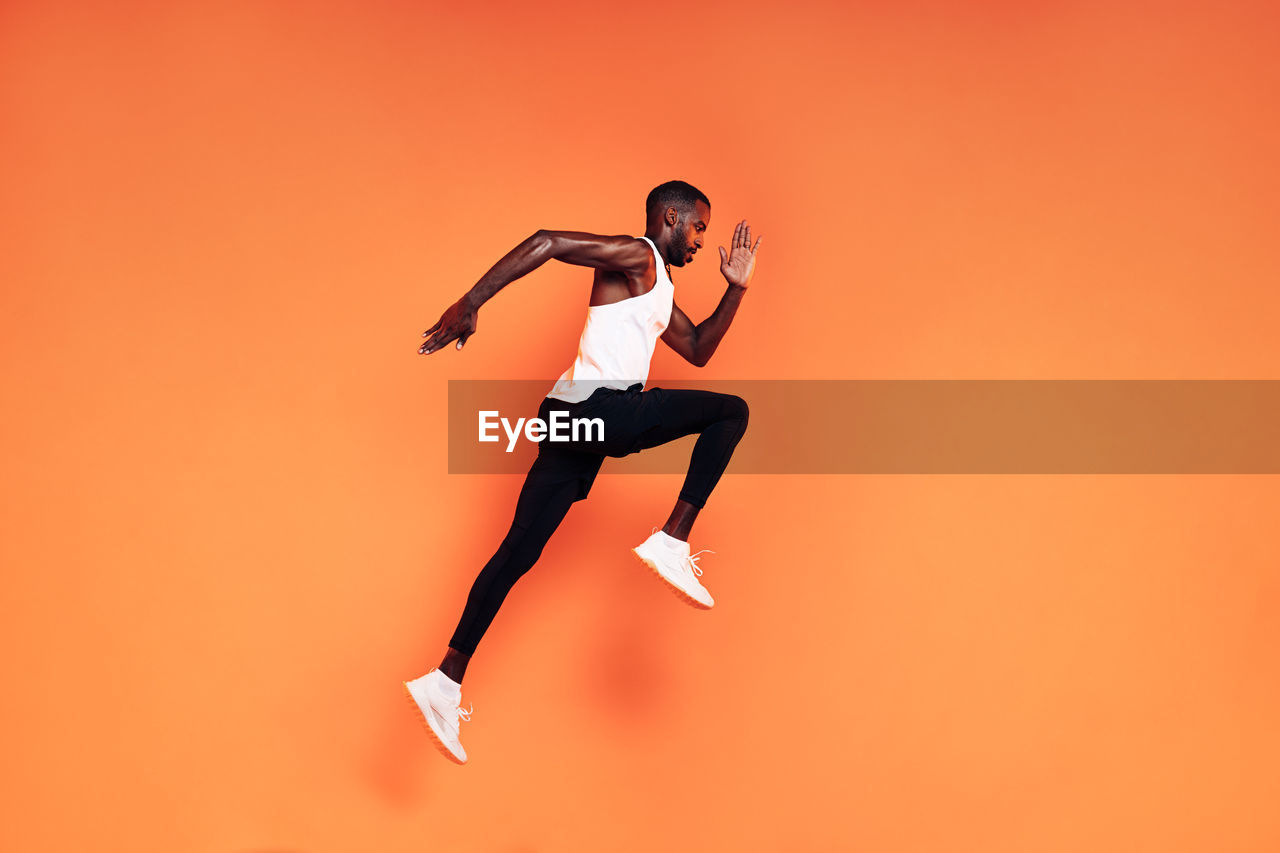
(228, 530)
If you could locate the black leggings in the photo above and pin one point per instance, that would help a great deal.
(563, 473)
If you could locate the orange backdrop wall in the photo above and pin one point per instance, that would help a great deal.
(229, 533)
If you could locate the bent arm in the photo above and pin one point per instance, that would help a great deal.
(629, 255)
(696, 344)
(622, 254)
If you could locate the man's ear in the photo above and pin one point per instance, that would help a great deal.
(671, 217)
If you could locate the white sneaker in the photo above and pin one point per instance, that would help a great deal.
(438, 699)
(670, 560)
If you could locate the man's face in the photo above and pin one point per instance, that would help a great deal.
(687, 238)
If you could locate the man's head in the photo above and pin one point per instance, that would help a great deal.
(676, 216)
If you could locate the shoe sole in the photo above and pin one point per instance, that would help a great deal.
(435, 738)
(680, 593)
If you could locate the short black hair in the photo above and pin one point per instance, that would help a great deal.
(675, 194)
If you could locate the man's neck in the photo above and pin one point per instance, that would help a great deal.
(662, 249)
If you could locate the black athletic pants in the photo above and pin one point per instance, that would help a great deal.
(563, 473)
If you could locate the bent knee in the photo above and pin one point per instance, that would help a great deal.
(736, 409)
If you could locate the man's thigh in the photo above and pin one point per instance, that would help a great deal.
(622, 417)
(558, 470)
(635, 420)
(684, 412)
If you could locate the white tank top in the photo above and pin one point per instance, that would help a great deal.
(618, 339)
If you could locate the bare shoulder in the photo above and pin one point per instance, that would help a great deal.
(618, 252)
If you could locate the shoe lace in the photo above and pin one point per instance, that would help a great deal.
(466, 715)
(692, 560)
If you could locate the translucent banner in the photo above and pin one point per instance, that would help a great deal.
(919, 427)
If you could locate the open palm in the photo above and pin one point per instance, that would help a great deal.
(739, 263)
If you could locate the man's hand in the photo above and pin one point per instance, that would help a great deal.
(739, 264)
(457, 321)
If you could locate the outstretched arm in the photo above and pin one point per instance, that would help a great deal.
(622, 254)
(696, 344)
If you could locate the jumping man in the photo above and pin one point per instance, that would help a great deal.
(631, 306)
